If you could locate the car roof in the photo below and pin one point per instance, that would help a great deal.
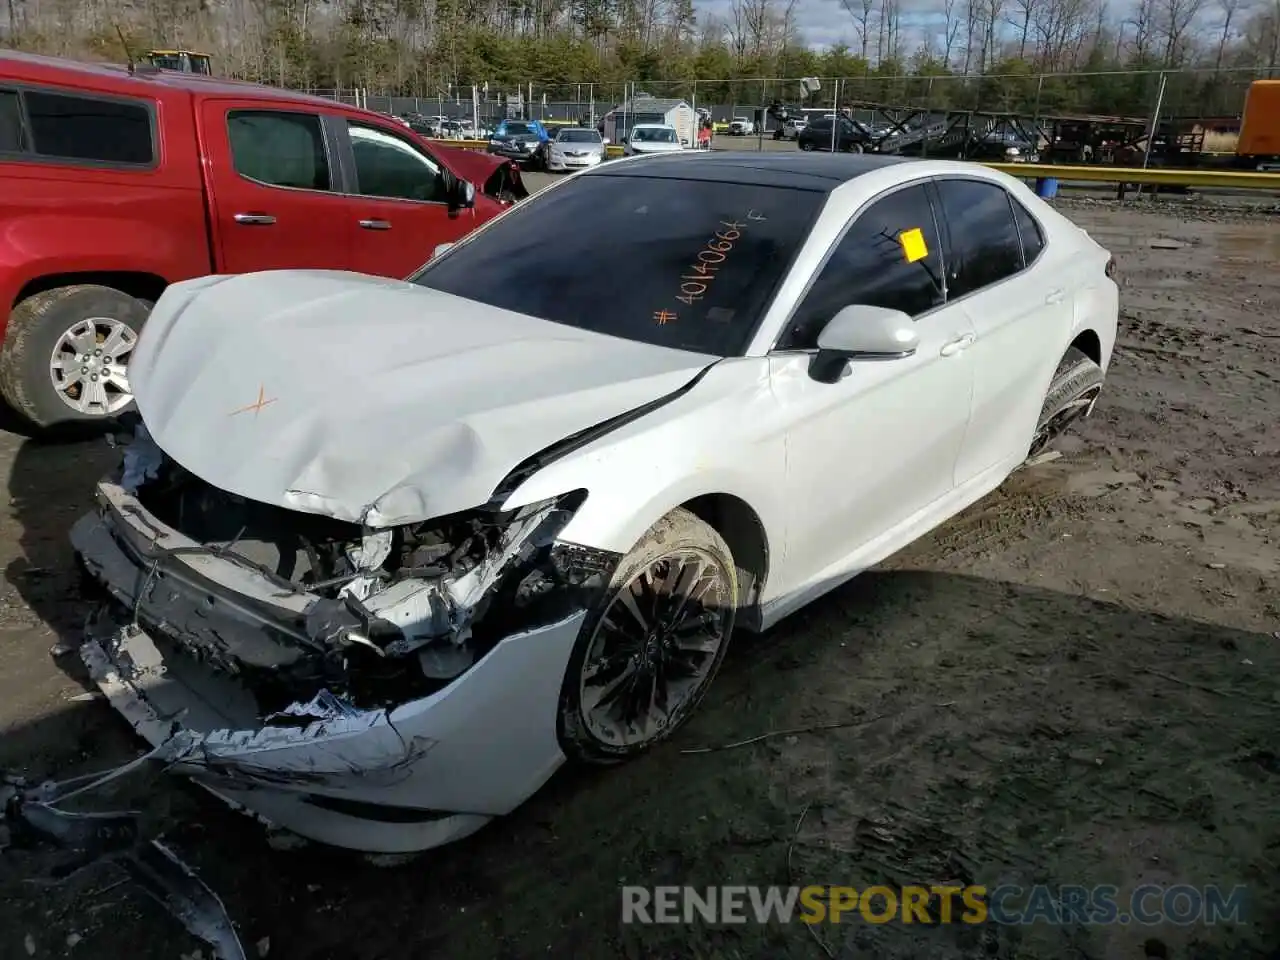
(115, 78)
(807, 171)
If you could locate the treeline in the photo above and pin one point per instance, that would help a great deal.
(989, 54)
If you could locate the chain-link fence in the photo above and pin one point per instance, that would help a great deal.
(1214, 97)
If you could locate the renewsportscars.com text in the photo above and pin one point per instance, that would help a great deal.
(1068, 904)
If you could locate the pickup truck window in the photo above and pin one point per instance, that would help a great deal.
(279, 148)
(390, 166)
(11, 138)
(90, 128)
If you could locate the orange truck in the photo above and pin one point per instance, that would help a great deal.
(1259, 143)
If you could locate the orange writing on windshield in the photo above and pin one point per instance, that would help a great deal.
(698, 276)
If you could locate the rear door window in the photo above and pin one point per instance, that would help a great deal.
(68, 127)
(984, 246)
(12, 139)
(279, 148)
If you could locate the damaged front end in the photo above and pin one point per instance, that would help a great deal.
(329, 671)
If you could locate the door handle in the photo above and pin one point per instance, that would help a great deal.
(1054, 296)
(958, 345)
(255, 219)
(376, 224)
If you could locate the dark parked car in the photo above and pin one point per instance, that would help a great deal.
(849, 137)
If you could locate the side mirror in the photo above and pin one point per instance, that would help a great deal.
(440, 249)
(861, 332)
(462, 196)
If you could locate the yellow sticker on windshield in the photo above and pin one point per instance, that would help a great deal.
(913, 246)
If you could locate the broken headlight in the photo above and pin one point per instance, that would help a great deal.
(449, 589)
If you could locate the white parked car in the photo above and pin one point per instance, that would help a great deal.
(741, 127)
(524, 522)
(575, 148)
(790, 128)
(647, 138)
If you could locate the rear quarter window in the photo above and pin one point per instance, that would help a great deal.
(72, 127)
(1029, 231)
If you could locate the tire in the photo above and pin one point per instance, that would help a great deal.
(678, 532)
(853, 148)
(806, 145)
(38, 325)
(1074, 388)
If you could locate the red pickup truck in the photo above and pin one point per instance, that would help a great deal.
(116, 182)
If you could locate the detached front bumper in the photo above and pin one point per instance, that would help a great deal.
(393, 780)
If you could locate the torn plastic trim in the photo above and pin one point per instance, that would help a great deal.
(130, 839)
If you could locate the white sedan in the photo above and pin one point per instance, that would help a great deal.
(651, 138)
(385, 553)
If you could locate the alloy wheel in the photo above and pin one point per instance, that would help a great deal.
(89, 366)
(654, 647)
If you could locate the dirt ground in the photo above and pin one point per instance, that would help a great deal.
(1072, 683)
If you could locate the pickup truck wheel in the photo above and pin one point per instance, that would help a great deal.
(66, 354)
(650, 647)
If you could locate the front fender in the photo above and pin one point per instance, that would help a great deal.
(726, 435)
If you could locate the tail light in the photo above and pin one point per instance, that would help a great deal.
(1111, 267)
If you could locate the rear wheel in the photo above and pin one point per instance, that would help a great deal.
(1075, 386)
(66, 354)
(650, 648)
(806, 145)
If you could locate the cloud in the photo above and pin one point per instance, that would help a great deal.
(826, 23)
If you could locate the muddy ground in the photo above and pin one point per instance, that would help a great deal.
(1072, 683)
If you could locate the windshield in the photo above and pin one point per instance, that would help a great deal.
(654, 135)
(578, 136)
(516, 129)
(676, 263)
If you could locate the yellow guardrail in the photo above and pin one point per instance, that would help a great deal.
(613, 149)
(1231, 179)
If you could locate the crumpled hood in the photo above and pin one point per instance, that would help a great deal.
(373, 400)
(474, 165)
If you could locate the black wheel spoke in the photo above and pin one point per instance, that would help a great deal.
(654, 647)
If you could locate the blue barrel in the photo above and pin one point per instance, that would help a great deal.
(1047, 187)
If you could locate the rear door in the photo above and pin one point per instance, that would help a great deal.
(274, 188)
(1021, 308)
(399, 207)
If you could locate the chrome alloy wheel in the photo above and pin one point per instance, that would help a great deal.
(655, 646)
(89, 366)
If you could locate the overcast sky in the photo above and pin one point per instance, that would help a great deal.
(825, 23)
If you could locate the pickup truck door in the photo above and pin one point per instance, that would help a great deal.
(398, 212)
(274, 189)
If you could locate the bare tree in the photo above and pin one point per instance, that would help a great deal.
(860, 11)
(950, 30)
(1175, 19)
(1020, 17)
(1229, 8)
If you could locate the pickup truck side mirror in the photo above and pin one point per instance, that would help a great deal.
(462, 195)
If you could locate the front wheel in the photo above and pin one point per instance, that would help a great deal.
(806, 145)
(66, 354)
(651, 646)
